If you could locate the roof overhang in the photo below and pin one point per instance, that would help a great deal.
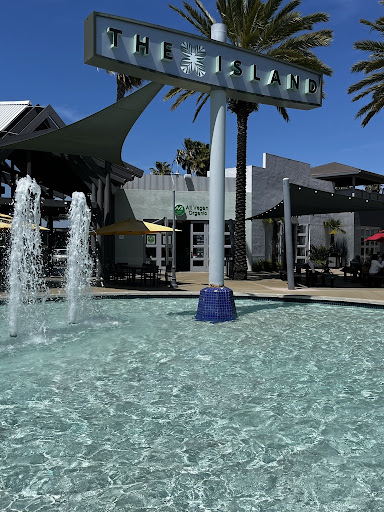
(309, 201)
(345, 175)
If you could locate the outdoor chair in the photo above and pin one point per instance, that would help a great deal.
(168, 274)
(149, 274)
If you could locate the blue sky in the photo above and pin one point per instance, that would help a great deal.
(42, 61)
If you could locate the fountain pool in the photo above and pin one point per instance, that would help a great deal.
(143, 408)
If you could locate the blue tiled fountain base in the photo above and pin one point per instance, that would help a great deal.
(216, 305)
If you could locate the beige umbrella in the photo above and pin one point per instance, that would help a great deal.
(132, 227)
(6, 222)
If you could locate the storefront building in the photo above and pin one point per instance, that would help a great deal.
(333, 178)
(151, 199)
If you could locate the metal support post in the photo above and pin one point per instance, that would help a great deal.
(173, 282)
(288, 234)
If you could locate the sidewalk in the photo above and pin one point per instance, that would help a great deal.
(258, 284)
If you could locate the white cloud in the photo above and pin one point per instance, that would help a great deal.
(68, 114)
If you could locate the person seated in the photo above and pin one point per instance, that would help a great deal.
(311, 263)
(355, 266)
(376, 267)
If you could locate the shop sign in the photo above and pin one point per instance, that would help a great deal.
(151, 239)
(191, 62)
(191, 210)
(179, 210)
(197, 211)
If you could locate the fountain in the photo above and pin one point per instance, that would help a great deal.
(79, 264)
(25, 270)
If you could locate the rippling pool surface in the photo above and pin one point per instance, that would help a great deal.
(142, 408)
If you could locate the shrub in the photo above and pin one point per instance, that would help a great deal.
(263, 265)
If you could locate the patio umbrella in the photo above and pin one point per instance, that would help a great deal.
(7, 224)
(131, 227)
(377, 237)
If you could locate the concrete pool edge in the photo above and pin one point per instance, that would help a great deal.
(275, 297)
(284, 297)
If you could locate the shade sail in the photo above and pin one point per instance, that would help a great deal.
(100, 135)
(132, 227)
(308, 201)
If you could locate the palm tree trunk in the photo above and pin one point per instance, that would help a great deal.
(240, 264)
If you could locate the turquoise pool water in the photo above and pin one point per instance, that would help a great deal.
(144, 409)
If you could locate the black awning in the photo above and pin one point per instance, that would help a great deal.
(309, 201)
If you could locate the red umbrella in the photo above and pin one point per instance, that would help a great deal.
(377, 237)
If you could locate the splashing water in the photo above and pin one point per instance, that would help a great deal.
(25, 269)
(79, 264)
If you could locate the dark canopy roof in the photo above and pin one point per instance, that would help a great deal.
(64, 159)
(100, 135)
(343, 175)
(308, 201)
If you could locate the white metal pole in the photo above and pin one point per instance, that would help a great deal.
(218, 102)
(288, 234)
(173, 283)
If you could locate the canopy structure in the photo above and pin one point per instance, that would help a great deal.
(132, 227)
(309, 201)
(100, 135)
(377, 237)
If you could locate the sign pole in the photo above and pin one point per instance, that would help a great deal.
(218, 105)
(216, 303)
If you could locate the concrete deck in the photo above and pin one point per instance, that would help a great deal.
(258, 285)
(261, 284)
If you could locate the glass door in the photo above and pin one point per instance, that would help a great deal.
(199, 247)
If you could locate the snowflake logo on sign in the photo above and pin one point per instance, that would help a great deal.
(193, 60)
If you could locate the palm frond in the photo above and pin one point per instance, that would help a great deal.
(375, 47)
(377, 25)
(372, 108)
(184, 94)
(194, 19)
(365, 93)
(270, 8)
(367, 66)
(374, 78)
(172, 92)
(284, 113)
(202, 99)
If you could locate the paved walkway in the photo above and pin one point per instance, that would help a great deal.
(259, 284)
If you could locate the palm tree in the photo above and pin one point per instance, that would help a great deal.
(194, 157)
(334, 227)
(373, 83)
(267, 27)
(376, 187)
(125, 83)
(161, 168)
